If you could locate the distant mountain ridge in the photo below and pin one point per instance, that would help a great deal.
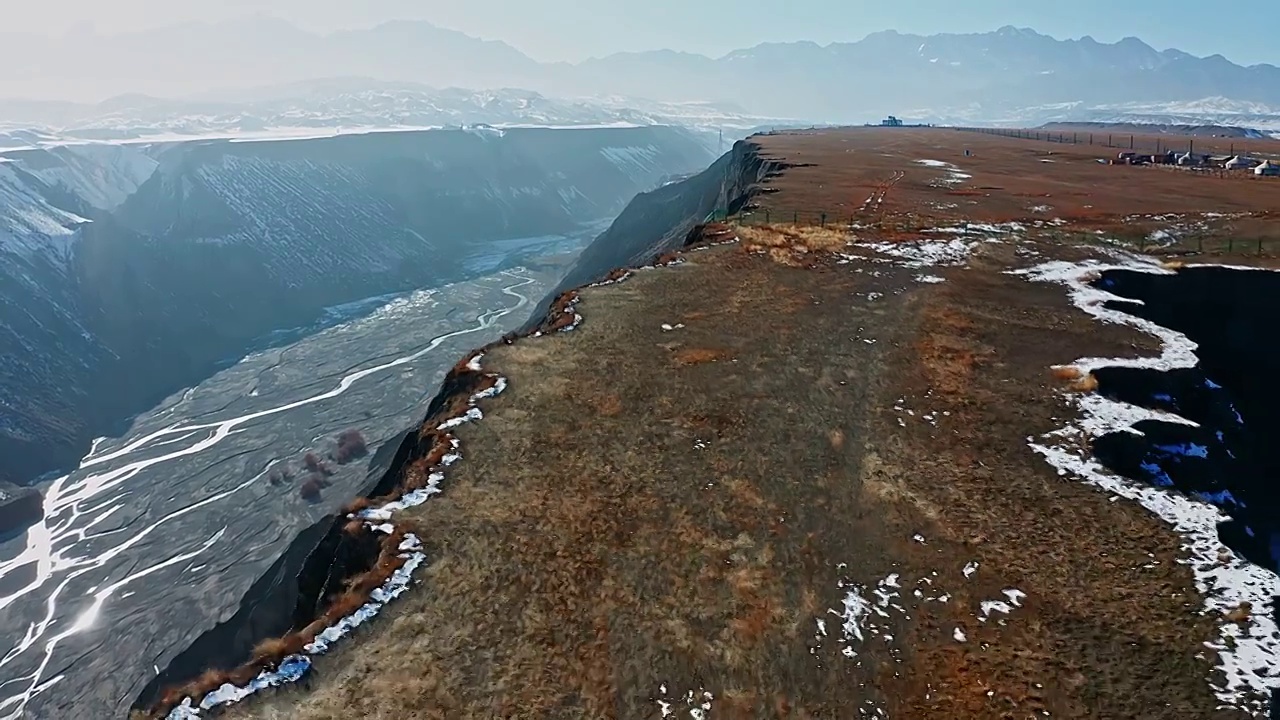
(925, 77)
(335, 106)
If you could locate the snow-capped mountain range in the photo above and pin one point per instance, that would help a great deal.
(1260, 119)
(338, 106)
(1007, 73)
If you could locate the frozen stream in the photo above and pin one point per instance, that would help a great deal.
(156, 536)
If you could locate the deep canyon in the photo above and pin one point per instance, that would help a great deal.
(181, 325)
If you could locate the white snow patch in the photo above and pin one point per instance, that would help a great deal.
(993, 606)
(1249, 652)
(925, 253)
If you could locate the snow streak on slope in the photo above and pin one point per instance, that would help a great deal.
(29, 223)
(101, 175)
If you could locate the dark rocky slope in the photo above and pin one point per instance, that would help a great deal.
(121, 288)
(657, 222)
(321, 559)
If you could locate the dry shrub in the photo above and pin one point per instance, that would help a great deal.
(698, 356)
(311, 462)
(315, 465)
(310, 490)
(351, 446)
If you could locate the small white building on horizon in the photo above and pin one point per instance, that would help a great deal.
(1267, 169)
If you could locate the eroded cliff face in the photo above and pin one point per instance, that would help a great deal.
(658, 221)
(298, 588)
(126, 274)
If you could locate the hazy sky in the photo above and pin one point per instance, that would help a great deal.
(575, 29)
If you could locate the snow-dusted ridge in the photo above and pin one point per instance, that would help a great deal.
(1249, 652)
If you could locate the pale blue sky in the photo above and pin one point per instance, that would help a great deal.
(574, 29)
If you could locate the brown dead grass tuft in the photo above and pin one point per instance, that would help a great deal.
(794, 238)
(561, 314)
(1066, 373)
(698, 356)
(1086, 384)
(344, 605)
(836, 437)
(947, 350)
(609, 405)
(356, 505)
(271, 649)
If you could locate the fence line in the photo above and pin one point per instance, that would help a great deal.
(1139, 144)
(1197, 243)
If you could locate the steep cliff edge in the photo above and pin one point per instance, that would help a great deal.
(316, 567)
(127, 274)
(658, 221)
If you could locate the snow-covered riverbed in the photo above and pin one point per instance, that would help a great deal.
(157, 535)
